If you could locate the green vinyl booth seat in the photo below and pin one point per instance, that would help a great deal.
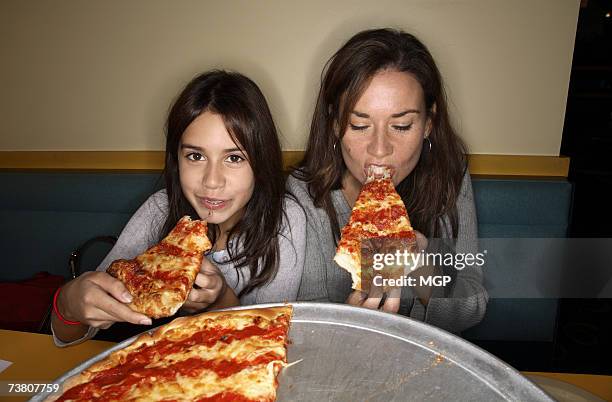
(519, 208)
(46, 215)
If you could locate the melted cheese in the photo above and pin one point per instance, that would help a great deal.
(247, 366)
(348, 253)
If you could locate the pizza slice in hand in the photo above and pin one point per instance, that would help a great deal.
(160, 279)
(378, 213)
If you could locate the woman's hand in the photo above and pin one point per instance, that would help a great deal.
(421, 240)
(374, 296)
(99, 300)
(421, 291)
(209, 286)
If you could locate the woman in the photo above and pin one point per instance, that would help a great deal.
(382, 102)
(223, 165)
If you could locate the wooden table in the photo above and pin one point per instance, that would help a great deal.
(36, 359)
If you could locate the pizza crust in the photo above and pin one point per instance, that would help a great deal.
(350, 263)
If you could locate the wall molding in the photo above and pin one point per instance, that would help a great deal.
(519, 165)
(480, 165)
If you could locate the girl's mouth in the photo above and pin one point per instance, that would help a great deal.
(213, 203)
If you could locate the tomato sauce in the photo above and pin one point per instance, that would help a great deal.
(227, 397)
(119, 379)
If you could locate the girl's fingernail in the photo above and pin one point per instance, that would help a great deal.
(127, 297)
(145, 321)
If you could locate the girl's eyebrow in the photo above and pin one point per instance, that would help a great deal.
(183, 146)
(400, 114)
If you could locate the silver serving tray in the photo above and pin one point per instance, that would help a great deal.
(356, 354)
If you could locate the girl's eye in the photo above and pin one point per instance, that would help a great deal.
(235, 158)
(195, 156)
(357, 128)
(403, 127)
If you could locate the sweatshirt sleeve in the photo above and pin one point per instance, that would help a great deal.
(292, 248)
(141, 231)
(465, 305)
(138, 235)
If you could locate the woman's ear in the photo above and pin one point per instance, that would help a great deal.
(431, 113)
(336, 132)
(336, 129)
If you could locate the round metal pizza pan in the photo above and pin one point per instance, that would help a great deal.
(348, 353)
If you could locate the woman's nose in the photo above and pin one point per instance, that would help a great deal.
(380, 146)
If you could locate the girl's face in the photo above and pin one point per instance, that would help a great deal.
(386, 127)
(215, 176)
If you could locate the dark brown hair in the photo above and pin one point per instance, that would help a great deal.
(431, 190)
(253, 241)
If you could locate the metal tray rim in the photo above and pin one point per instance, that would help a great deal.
(510, 383)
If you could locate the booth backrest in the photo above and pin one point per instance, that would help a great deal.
(46, 215)
(522, 207)
(519, 208)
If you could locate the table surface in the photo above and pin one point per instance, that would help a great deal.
(36, 359)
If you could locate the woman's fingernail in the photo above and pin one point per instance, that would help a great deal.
(127, 297)
(146, 321)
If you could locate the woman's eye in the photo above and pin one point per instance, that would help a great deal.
(358, 128)
(403, 127)
(195, 156)
(235, 158)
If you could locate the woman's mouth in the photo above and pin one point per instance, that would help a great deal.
(213, 203)
(378, 171)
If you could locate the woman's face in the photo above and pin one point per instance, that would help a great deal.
(387, 127)
(215, 176)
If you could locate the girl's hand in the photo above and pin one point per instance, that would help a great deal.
(209, 285)
(99, 300)
(373, 298)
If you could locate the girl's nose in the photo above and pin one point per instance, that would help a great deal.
(213, 177)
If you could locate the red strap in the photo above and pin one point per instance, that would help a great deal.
(62, 319)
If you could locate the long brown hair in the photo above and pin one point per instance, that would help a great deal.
(249, 122)
(431, 190)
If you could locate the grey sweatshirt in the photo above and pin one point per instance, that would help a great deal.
(324, 280)
(142, 232)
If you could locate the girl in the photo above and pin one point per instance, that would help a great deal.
(382, 102)
(223, 165)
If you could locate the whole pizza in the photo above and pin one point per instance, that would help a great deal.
(215, 356)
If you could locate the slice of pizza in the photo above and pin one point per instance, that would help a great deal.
(216, 356)
(160, 279)
(378, 213)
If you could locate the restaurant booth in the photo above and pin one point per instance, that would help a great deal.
(62, 211)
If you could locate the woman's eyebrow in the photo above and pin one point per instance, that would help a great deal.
(400, 114)
(405, 112)
(361, 114)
